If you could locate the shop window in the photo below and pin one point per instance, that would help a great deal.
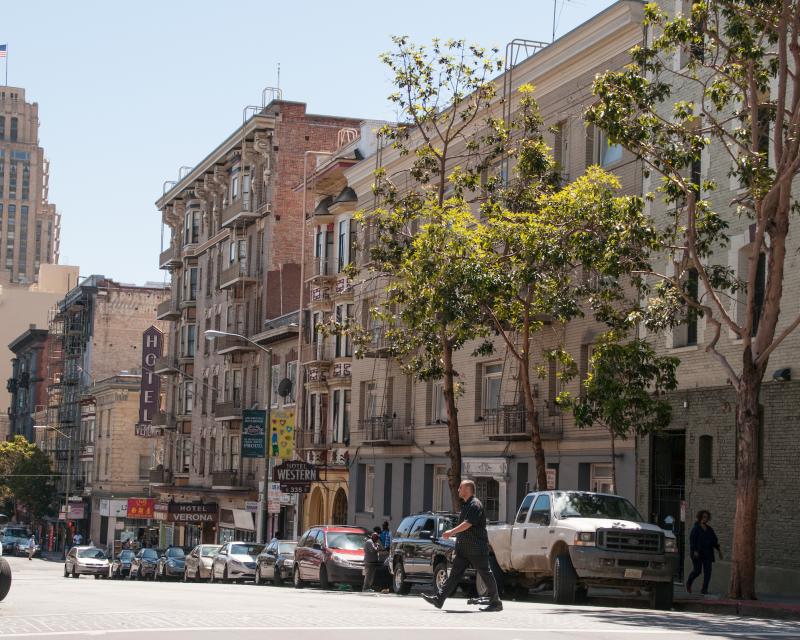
(705, 456)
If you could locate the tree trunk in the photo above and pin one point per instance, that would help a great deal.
(743, 552)
(613, 462)
(454, 439)
(533, 419)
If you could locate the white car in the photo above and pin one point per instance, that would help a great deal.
(235, 561)
(198, 562)
(86, 561)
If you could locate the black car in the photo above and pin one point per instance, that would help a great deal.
(418, 553)
(171, 564)
(144, 564)
(275, 562)
(121, 565)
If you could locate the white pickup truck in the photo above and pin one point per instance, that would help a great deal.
(577, 539)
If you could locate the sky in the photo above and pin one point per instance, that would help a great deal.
(129, 92)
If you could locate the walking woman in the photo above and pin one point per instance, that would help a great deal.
(702, 542)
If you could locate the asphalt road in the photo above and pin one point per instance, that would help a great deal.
(43, 604)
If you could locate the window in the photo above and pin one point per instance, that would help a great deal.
(423, 524)
(372, 406)
(185, 455)
(343, 245)
(441, 489)
(202, 458)
(236, 390)
(235, 452)
(405, 527)
(187, 397)
(14, 129)
(212, 452)
(541, 510)
(191, 338)
(704, 456)
(291, 374)
(144, 467)
(344, 313)
(492, 378)
(438, 406)
(601, 478)
(610, 153)
(522, 514)
(341, 416)
(685, 334)
(2, 127)
(369, 488)
(276, 380)
(191, 227)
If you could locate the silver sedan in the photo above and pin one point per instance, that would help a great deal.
(235, 561)
(198, 562)
(86, 561)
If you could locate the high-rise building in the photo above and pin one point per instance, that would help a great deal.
(29, 224)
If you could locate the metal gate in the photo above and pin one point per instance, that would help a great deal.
(666, 504)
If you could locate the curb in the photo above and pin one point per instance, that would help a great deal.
(745, 608)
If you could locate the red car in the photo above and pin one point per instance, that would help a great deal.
(330, 555)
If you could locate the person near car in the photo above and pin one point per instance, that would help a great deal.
(386, 535)
(702, 542)
(77, 539)
(372, 546)
(31, 547)
(472, 548)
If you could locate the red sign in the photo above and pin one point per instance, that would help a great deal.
(140, 508)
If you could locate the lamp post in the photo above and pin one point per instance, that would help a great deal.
(67, 485)
(262, 517)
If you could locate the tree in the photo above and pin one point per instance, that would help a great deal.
(738, 97)
(552, 254)
(26, 476)
(623, 391)
(421, 224)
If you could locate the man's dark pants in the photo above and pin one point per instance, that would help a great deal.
(369, 575)
(479, 562)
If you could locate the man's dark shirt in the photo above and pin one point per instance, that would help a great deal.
(475, 540)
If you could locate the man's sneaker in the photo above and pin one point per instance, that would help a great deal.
(433, 599)
(494, 606)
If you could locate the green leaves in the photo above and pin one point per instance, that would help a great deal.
(25, 476)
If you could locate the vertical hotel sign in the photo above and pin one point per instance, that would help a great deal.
(150, 390)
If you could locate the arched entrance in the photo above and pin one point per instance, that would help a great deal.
(316, 508)
(339, 514)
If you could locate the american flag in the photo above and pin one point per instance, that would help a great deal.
(3, 50)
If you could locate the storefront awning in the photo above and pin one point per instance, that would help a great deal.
(243, 520)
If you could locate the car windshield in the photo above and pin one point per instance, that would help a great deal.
(126, 555)
(209, 550)
(16, 533)
(286, 547)
(150, 554)
(175, 552)
(592, 505)
(346, 540)
(246, 549)
(91, 553)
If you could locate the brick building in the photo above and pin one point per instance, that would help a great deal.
(235, 260)
(28, 382)
(691, 466)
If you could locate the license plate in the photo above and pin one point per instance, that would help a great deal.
(633, 574)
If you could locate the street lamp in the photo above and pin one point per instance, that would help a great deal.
(67, 486)
(262, 519)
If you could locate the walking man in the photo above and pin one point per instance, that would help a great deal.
(31, 547)
(371, 561)
(472, 548)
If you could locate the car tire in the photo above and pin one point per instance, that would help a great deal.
(661, 596)
(296, 580)
(225, 574)
(399, 584)
(439, 576)
(211, 578)
(564, 580)
(5, 578)
(75, 573)
(324, 582)
(156, 575)
(66, 572)
(257, 580)
(185, 575)
(277, 580)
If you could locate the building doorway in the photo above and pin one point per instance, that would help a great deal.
(668, 487)
(488, 492)
(339, 514)
(316, 508)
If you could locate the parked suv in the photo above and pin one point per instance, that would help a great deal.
(330, 555)
(419, 554)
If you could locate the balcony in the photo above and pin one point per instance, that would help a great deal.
(160, 475)
(188, 303)
(378, 345)
(168, 310)
(166, 366)
(320, 299)
(385, 431)
(507, 424)
(321, 271)
(241, 211)
(228, 410)
(164, 419)
(170, 258)
(237, 273)
(225, 478)
(232, 344)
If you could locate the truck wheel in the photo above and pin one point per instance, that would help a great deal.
(661, 596)
(564, 580)
(401, 587)
(439, 577)
(5, 578)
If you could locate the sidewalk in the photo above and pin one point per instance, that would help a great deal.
(768, 605)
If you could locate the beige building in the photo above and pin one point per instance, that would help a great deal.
(21, 306)
(235, 258)
(29, 235)
(398, 438)
(114, 463)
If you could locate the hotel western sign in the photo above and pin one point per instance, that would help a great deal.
(295, 476)
(150, 391)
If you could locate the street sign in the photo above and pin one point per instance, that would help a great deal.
(254, 428)
(295, 476)
(251, 506)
